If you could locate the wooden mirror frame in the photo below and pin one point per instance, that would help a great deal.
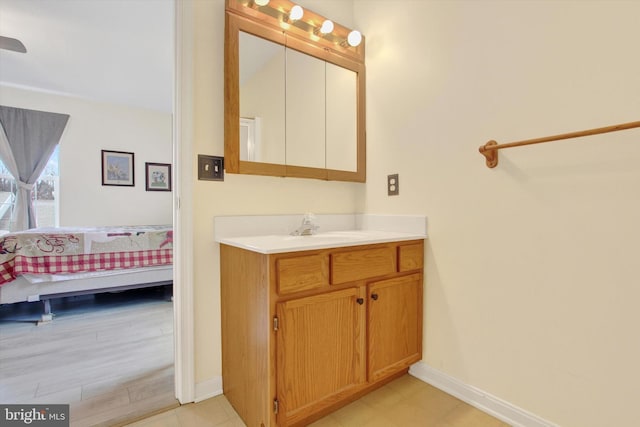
(240, 16)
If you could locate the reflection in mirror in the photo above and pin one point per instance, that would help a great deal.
(342, 119)
(305, 110)
(250, 143)
(262, 101)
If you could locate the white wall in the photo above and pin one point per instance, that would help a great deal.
(93, 127)
(532, 268)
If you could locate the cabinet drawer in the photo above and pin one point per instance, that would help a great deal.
(302, 273)
(362, 264)
(410, 257)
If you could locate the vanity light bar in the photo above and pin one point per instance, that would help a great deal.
(292, 14)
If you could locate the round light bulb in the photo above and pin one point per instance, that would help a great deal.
(296, 13)
(327, 27)
(261, 2)
(354, 38)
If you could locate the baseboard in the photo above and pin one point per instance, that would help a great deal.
(208, 389)
(477, 398)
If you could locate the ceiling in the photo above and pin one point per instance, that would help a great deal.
(115, 51)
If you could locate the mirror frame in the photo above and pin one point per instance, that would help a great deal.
(239, 16)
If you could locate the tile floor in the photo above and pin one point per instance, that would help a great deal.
(404, 402)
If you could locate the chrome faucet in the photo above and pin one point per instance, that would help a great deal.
(308, 226)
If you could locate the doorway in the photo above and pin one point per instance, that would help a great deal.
(70, 308)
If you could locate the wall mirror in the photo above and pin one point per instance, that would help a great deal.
(294, 97)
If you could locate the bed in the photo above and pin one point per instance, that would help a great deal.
(45, 263)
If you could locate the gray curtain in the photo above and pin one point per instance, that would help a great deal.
(27, 140)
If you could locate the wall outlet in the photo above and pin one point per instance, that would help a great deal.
(393, 185)
(210, 168)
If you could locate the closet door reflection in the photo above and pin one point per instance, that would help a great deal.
(262, 100)
(305, 106)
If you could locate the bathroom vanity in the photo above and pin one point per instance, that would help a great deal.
(311, 323)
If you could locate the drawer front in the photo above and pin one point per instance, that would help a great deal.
(362, 264)
(410, 257)
(302, 273)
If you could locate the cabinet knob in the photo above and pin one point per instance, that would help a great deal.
(360, 301)
(374, 297)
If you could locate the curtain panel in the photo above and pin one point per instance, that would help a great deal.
(27, 140)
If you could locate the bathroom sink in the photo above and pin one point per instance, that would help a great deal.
(275, 243)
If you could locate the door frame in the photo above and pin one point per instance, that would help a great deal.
(183, 288)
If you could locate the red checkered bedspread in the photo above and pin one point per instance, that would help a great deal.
(75, 250)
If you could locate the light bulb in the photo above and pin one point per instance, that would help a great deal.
(354, 38)
(261, 2)
(327, 27)
(296, 13)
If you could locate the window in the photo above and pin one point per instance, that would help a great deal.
(45, 194)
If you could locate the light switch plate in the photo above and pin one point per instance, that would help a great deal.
(393, 185)
(210, 168)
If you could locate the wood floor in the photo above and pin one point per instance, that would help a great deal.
(109, 356)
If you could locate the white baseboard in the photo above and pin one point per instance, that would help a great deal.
(208, 389)
(492, 405)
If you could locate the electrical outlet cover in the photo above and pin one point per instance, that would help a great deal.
(393, 185)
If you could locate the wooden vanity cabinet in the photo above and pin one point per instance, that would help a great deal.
(304, 333)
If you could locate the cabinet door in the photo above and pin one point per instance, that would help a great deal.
(395, 325)
(320, 351)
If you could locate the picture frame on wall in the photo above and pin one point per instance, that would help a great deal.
(158, 176)
(118, 168)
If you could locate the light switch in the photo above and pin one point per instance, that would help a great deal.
(210, 168)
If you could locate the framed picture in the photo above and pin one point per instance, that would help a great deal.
(117, 168)
(158, 176)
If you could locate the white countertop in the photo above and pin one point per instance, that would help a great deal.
(271, 244)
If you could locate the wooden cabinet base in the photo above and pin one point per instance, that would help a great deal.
(305, 333)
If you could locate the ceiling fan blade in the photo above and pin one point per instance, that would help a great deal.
(12, 44)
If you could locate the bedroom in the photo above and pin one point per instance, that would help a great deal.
(121, 107)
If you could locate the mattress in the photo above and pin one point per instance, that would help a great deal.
(50, 254)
